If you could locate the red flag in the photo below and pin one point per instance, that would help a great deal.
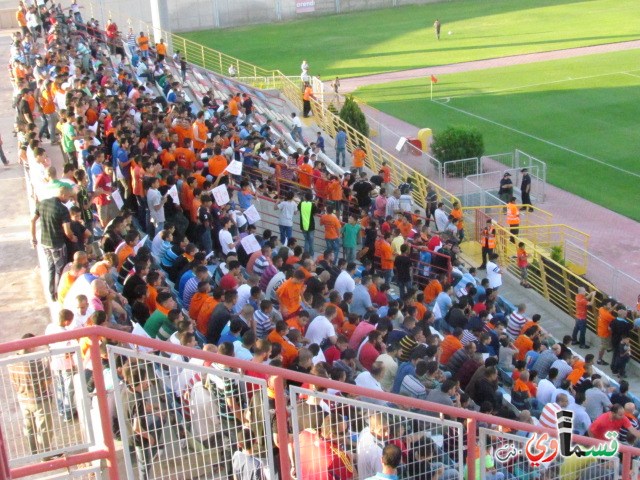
(434, 79)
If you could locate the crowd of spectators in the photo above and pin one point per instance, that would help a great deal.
(137, 238)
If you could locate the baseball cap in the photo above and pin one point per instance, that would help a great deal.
(507, 174)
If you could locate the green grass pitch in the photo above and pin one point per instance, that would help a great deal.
(402, 38)
(580, 115)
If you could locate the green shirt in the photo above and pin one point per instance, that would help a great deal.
(68, 132)
(154, 322)
(350, 235)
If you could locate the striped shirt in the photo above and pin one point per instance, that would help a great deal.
(548, 416)
(564, 369)
(263, 324)
(516, 322)
(412, 387)
(260, 265)
(468, 337)
(190, 289)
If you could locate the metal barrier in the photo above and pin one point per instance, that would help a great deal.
(490, 180)
(455, 171)
(498, 213)
(365, 425)
(524, 160)
(38, 401)
(572, 242)
(606, 277)
(182, 419)
(229, 370)
(519, 466)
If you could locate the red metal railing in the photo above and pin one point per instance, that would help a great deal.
(108, 452)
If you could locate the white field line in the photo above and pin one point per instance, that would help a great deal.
(566, 149)
(541, 84)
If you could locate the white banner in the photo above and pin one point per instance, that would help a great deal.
(305, 6)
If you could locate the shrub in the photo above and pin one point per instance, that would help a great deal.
(456, 143)
(557, 254)
(351, 114)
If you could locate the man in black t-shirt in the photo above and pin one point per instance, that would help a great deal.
(402, 265)
(362, 188)
(525, 189)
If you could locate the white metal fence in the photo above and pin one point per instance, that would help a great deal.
(198, 415)
(40, 405)
(357, 430)
(609, 279)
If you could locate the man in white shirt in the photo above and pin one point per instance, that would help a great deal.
(244, 292)
(371, 441)
(441, 218)
(345, 281)
(81, 313)
(226, 239)
(494, 273)
(296, 131)
(321, 328)
(546, 388)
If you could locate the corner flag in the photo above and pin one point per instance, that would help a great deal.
(434, 79)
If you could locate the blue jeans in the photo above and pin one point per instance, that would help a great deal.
(341, 156)
(579, 331)
(296, 134)
(308, 241)
(285, 233)
(404, 288)
(349, 254)
(64, 393)
(205, 241)
(334, 246)
(56, 260)
(387, 275)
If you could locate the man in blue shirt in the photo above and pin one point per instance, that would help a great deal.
(341, 147)
(391, 459)
(361, 303)
(320, 142)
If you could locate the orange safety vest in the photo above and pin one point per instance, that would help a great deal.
(489, 238)
(513, 214)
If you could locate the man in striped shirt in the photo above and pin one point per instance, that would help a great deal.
(262, 318)
(517, 321)
(191, 287)
(548, 416)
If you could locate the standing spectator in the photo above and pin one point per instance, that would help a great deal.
(341, 147)
(331, 232)
(320, 142)
(156, 201)
(525, 190)
(307, 95)
(350, 235)
(513, 219)
(308, 210)
(32, 382)
(523, 265)
(56, 225)
(583, 301)
(402, 264)
(605, 317)
(358, 157)
(506, 188)
(440, 217)
(287, 208)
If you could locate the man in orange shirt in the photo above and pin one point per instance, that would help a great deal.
(334, 193)
(385, 172)
(279, 335)
(605, 317)
(583, 301)
(154, 279)
(386, 258)
(185, 157)
(234, 106)
(125, 249)
(143, 45)
(217, 163)
(331, 232)
(305, 174)
(306, 100)
(450, 345)
(199, 298)
(358, 159)
(524, 342)
(456, 212)
(161, 50)
(200, 132)
(290, 294)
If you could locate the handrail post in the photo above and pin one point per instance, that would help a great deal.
(626, 465)
(220, 62)
(283, 428)
(471, 450)
(103, 407)
(202, 53)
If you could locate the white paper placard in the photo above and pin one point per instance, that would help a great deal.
(252, 215)
(140, 244)
(173, 193)
(117, 198)
(401, 143)
(250, 244)
(220, 195)
(234, 168)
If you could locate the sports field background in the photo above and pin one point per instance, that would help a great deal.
(581, 115)
(402, 38)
